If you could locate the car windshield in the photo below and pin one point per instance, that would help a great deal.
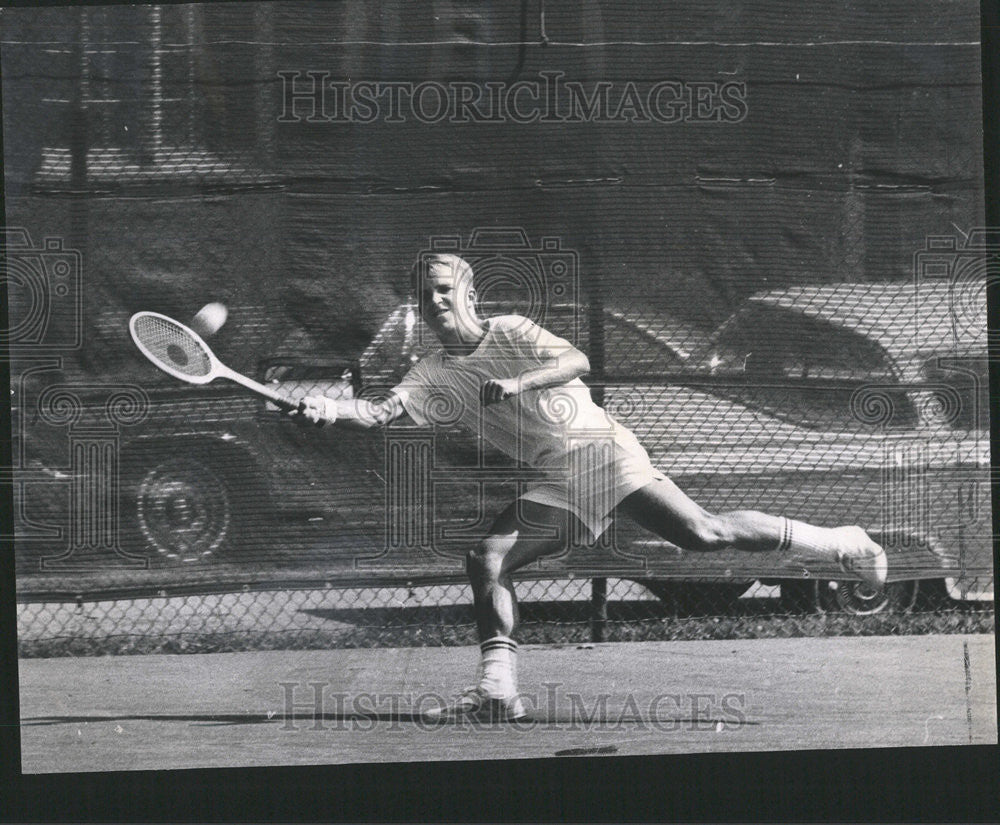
(764, 344)
(799, 368)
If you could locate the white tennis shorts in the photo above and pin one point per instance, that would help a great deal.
(590, 481)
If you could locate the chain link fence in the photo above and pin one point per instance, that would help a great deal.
(240, 528)
(838, 375)
(552, 612)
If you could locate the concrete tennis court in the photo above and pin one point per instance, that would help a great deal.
(360, 705)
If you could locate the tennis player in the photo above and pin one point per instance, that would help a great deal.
(518, 386)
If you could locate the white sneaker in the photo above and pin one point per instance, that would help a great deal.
(473, 703)
(862, 557)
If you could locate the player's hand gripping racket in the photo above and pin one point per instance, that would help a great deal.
(181, 352)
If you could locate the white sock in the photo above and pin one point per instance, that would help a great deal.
(498, 669)
(800, 538)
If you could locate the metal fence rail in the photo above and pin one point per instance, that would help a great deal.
(566, 611)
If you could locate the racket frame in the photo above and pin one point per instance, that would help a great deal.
(216, 368)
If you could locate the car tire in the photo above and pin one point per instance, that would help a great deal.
(189, 506)
(859, 599)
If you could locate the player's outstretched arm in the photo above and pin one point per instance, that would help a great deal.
(352, 413)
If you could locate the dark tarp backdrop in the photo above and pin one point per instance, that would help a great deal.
(202, 153)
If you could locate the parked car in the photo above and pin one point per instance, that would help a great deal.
(840, 404)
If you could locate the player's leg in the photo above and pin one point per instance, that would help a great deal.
(524, 532)
(663, 508)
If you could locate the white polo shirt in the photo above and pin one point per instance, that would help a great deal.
(555, 428)
(533, 427)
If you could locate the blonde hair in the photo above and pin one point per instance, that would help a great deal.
(460, 268)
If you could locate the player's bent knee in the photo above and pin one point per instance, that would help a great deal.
(485, 561)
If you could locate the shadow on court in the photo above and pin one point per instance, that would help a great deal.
(367, 704)
(293, 719)
(553, 612)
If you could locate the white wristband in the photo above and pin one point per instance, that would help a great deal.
(329, 410)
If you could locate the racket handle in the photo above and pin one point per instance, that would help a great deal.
(278, 399)
(287, 405)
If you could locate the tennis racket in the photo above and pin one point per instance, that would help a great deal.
(181, 352)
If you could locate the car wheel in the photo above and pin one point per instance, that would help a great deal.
(860, 599)
(182, 507)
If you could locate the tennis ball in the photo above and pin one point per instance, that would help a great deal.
(209, 319)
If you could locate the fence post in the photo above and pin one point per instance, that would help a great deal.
(79, 141)
(595, 321)
(599, 608)
(595, 328)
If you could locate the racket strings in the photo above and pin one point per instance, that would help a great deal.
(173, 346)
